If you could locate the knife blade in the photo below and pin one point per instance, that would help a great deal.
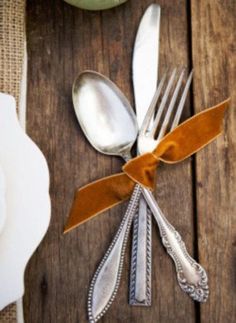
(145, 73)
(145, 60)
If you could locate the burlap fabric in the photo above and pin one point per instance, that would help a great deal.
(8, 315)
(12, 38)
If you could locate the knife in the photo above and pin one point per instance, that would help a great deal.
(145, 72)
(105, 282)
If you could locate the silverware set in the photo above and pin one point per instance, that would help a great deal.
(110, 125)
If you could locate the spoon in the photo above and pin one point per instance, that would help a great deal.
(110, 125)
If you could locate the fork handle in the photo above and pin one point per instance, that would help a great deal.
(191, 276)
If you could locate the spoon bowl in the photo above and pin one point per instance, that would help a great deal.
(104, 113)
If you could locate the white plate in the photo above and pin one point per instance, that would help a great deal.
(27, 200)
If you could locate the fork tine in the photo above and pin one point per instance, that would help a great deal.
(151, 109)
(163, 103)
(171, 107)
(182, 101)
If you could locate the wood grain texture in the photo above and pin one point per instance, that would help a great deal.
(63, 41)
(214, 60)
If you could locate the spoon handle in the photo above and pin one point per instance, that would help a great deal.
(106, 280)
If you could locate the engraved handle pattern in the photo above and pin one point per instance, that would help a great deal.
(141, 258)
(106, 280)
(191, 276)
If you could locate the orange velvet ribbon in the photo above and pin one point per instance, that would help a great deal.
(182, 142)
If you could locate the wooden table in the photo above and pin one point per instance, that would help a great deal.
(197, 195)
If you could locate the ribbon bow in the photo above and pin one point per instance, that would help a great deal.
(182, 142)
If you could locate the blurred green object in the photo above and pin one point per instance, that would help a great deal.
(95, 4)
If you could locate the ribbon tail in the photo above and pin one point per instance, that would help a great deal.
(192, 135)
(98, 197)
(185, 140)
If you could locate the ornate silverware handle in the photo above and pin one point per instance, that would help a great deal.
(141, 257)
(192, 278)
(106, 280)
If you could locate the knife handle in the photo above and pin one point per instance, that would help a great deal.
(140, 271)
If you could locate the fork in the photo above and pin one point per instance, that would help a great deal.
(191, 276)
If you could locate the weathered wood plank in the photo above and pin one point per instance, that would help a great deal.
(214, 61)
(63, 41)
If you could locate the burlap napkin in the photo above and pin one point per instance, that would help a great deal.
(12, 38)
(12, 45)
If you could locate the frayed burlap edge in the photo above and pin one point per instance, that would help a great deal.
(12, 46)
(12, 37)
(8, 315)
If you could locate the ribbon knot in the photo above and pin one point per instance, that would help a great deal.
(142, 170)
(182, 142)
